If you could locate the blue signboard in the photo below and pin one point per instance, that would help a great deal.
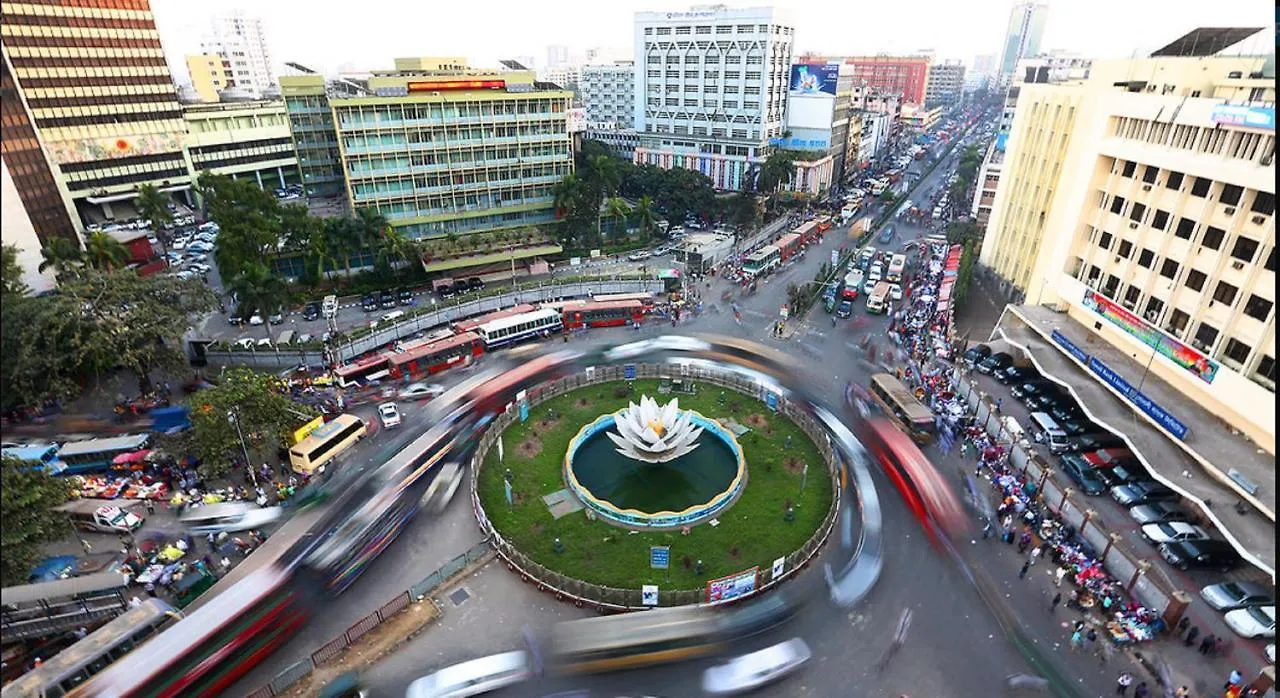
(795, 143)
(772, 401)
(1144, 403)
(659, 557)
(524, 410)
(814, 79)
(629, 372)
(1071, 347)
(1248, 117)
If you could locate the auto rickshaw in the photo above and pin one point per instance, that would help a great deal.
(345, 685)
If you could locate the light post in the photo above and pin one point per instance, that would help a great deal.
(1154, 350)
(234, 417)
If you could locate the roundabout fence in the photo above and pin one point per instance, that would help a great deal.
(612, 599)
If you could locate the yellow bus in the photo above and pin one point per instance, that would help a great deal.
(879, 298)
(902, 408)
(326, 443)
(638, 639)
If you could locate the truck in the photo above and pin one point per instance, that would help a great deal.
(879, 298)
(100, 515)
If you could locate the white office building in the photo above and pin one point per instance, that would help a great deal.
(241, 40)
(711, 88)
(609, 94)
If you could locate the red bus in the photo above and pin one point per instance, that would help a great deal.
(206, 652)
(808, 231)
(788, 245)
(928, 496)
(602, 314)
(428, 358)
(365, 369)
(471, 324)
(824, 224)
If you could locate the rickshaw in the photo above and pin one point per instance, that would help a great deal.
(345, 685)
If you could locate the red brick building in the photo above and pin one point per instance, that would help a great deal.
(904, 75)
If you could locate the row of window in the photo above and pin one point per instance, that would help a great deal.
(262, 143)
(25, 20)
(131, 178)
(33, 83)
(1240, 145)
(20, 62)
(708, 75)
(144, 40)
(1201, 187)
(105, 119)
(1244, 248)
(713, 59)
(405, 185)
(71, 102)
(706, 103)
(480, 224)
(707, 30)
(445, 204)
(245, 159)
(456, 111)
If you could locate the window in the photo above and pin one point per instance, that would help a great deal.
(1230, 194)
(1201, 187)
(1177, 322)
(1135, 213)
(1263, 202)
(1257, 308)
(1146, 258)
(1174, 181)
(1128, 169)
(1266, 368)
(1225, 293)
(1105, 241)
(1213, 237)
(1195, 280)
(1154, 307)
(1237, 350)
(1270, 264)
(1245, 249)
(1160, 220)
(1149, 174)
(1110, 285)
(1126, 249)
(1169, 269)
(1117, 205)
(1186, 228)
(1131, 295)
(1206, 335)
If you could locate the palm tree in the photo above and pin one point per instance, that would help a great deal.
(317, 251)
(646, 214)
(567, 193)
(61, 254)
(153, 205)
(618, 209)
(342, 240)
(602, 172)
(257, 289)
(105, 252)
(776, 171)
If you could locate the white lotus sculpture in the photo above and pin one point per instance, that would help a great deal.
(653, 434)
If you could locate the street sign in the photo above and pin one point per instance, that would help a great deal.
(772, 401)
(784, 312)
(629, 372)
(524, 410)
(779, 566)
(659, 557)
(649, 595)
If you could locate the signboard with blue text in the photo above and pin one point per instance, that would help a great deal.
(1246, 116)
(629, 372)
(814, 79)
(659, 557)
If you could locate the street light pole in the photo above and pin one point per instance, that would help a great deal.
(1154, 350)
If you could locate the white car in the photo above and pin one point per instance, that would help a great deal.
(1255, 621)
(895, 292)
(421, 391)
(389, 414)
(639, 256)
(244, 342)
(264, 343)
(474, 677)
(1173, 531)
(751, 671)
(255, 319)
(869, 286)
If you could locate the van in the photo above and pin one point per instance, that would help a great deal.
(95, 515)
(229, 517)
(330, 307)
(1047, 431)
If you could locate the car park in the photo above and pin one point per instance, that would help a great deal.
(1142, 492)
(1173, 531)
(311, 312)
(751, 671)
(1201, 554)
(389, 414)
(421, 391)
(1157, 512)
(1085, 476)
(1253, 622)
(1228, 596)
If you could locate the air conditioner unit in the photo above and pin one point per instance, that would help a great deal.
(1258, 220)
(1146, 187)
(1230, 210)
(1237, 265)
(1133, 224)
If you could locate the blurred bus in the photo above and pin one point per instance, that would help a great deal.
(603, 314)
(49, 608)
(902, 408)
(470, 324)
(326, 443)
(645, 297)
(423, 359)
(96, 651)
(927, 494)
(632, 640)
(517, 328)
(43, 457)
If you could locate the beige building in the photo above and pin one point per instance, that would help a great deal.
(1150, 186)
(210, 74)
(242, 139)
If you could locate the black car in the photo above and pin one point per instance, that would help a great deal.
(1086, 476)
(445, 290)
(1017, 375)
(973, 355)
(1158, 512)
(387, 299)
(369, 302)
(1076, 426)
(1201, 554)
(311, 312)
(475, 283)
(1142, 492)
(1122, 474)
(995, 362)
(405, 296)
(1093, 441)
(1063, 410)
(1032, 389)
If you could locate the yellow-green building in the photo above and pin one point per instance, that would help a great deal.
(242, 139)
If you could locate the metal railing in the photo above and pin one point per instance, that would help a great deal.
(612, 599)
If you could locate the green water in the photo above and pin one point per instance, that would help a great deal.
(692, 479)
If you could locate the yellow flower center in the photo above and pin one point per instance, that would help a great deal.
(657, 427)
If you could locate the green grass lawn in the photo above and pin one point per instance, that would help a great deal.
(752, 531)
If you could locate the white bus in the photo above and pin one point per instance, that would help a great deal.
(326, 443)
(509, 330)
(762, 261)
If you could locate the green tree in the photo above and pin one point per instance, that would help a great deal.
(27, 501)
(11, 282)
(743, 210)
(776, 171)
(964, 272)
(250, 220)
(153, 205)
(342, 237)
(256, 288)
(44, 349)
(618, 209)
(646, 215)
(962, 231)
(265, 417)
(61, 255)
(104, 252)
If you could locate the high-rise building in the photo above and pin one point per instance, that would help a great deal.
(242, 139)
(609, 95)
(210, 74)
(241, 40)
(1141, 200)
(818, 108)
(91, 112)
(1022, 36)
(16, 229)
(945, 87)
(904, 76)
(711, 88)
(1047, 69)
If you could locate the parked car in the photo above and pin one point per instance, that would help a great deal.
(311, 312)
(405, 296)
(255, 319)
(1032, 389)
(638, 256)
(1017, 375)
(276, 318)
(391, 316)
(1092, 441)
(264, 343)
(475, 283)
(1201, 554)
(753, 670)
(387, 300)
(1255, 621)
(1084, 475)
(389, 414)
(1142, 492)
(1064, 410)
(445, 290)
(1173, 531)
(1074, 426)
(1158, 512)
(1228, 596)
(304, 338)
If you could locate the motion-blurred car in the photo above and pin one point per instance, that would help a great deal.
(760, 615)
(1173, 531)
(1228, 596)
(474, 677)
(421, 391)
(389, 414)
(753, 670)
(1158, 512)
(1255, 621)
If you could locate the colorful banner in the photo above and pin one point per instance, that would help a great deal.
(90, 149)
(1246, 116)
(1187, 357)
(814, 79)
(731, 587)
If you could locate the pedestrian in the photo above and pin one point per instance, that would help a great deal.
(1220, 647)
(1142, 691)
(1192, 634)
(1057, 599)
(1123, 682)
(151, 507)
(999, 403)
(1024, 541)
(1090, 639)
(1183, 624)
(1235, 679)
(1035, 553)
(1077, 640)
(1182, 692)
(1022, 573)
(1206, 645)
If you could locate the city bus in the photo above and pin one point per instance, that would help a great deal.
(326, 443)
(632, 640)
(602, 314)
(42, 457)
(927, 494)
(879, 298)
(645, 297)
(365, 369)
(428, 358)
(92, 455)
(96, 651)
(902, 408)
(48, 608)
(470, 324)
(762, 261)
(824, 224)
(207, 651)
(516, 328)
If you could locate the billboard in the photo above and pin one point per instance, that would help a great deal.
(577, 119)
(1248, 117)
(90, 149)
(814, 79)
(1187, 357)
(729, 588)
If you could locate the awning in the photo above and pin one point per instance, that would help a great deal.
(131, 458)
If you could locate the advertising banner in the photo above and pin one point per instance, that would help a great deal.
(1187, 357)
(89, 149)
(649, 594)
(659, 557)
(1081, 355)
(814, 79)
(1248, 117)
(305, 430)
(779, 566)
(731, 587)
